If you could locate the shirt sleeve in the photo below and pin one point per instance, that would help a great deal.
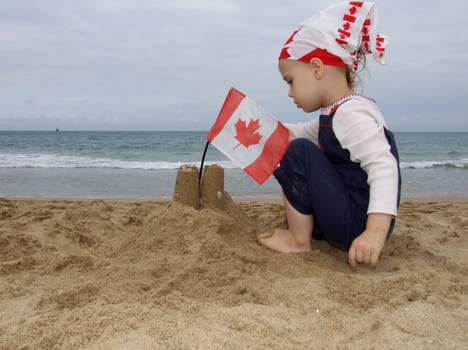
(307, 130)
(359, 127)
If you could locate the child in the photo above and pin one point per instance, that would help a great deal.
(340, 176)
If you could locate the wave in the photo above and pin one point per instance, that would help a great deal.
(431, 164)
(67, 161)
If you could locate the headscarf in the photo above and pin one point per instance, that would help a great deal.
(336, 34)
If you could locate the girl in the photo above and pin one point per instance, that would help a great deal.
(340, 176)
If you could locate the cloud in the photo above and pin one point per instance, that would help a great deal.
(131, 62)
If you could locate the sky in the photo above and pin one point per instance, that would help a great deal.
(168, 65)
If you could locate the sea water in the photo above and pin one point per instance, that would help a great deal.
(143, 165)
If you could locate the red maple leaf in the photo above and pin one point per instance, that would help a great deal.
(248, 135)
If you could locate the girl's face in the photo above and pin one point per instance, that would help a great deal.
(304, 88)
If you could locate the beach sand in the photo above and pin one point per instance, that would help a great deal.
(99, 274)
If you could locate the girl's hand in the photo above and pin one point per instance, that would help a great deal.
(367, 247)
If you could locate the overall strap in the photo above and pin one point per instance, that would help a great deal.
(325, 122)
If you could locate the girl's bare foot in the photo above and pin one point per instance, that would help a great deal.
(283, 241)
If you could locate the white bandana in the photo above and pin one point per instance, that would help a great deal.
(336, 34)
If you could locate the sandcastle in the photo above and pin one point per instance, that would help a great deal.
(210, 194)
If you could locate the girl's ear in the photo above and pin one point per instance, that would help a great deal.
(318, 68)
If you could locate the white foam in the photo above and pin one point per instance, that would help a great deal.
(67, 161)
(430, 164)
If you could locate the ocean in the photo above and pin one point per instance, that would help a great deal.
(143, 165)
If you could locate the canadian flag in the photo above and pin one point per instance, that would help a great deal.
(249, 135)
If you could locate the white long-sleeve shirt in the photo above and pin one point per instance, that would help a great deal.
(359, 127)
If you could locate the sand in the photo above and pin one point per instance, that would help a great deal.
(98, 274)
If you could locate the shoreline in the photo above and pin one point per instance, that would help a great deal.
(155, 185)
(237, 199)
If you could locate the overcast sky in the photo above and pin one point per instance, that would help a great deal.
(168, 64)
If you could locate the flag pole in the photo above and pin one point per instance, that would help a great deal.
(201, 166)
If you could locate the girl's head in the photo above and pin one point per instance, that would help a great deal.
(314, 84)
(340, 37)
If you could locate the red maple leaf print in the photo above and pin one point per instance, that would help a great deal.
(248, 135)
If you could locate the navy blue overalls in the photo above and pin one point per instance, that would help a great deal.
(324, 182)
